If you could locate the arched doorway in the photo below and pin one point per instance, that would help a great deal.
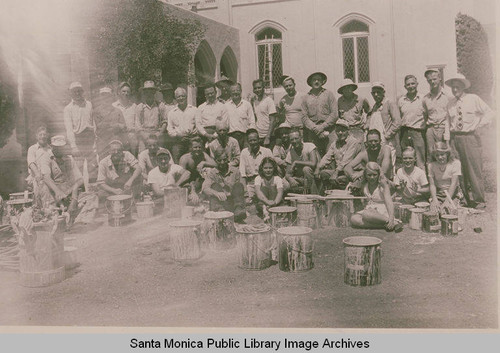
(229, 64)
(204, 69)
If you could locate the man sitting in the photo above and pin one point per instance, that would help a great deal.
(224, 189)
(195, 162)
(166, 175)
(226, 142)
(301, 160)
(343, 150)
(119, 172)
(280, 150)
(147, 158)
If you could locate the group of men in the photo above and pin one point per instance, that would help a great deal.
(317, 141)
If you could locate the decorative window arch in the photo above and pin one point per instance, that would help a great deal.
(269, 38)
(355, 38)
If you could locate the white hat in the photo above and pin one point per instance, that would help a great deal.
(105, 90)
(149, 85)
(460, 78)
(75, 84)
(58, 140)
(378, 84)
(346, 82)
(428, 71)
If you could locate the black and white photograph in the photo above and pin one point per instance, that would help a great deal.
(271, 164)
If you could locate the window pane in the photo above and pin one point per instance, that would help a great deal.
(348, 49)
(354, 26)
(261, 57)
(277, 65)
(268, 33)
(363, 60)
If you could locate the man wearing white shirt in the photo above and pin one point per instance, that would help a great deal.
(241, 116)
(210, 111)
(128, 109)
(265, 112)
(166, 175)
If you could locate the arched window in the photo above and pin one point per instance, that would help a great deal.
(356, 58)
(269, 43)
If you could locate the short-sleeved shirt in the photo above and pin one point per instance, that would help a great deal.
(353, 111)
(227, 180)
(182, 122)
(147, 163)
(249, 164)
(308, 150)
(241, 117)
(128, 113)
(41, 157)
(147, 116)
(263, 109)
(416, 179)
(442, 179)
(77, 118)
(435, 108)
(342, 155)
(163, 180)
(232, 149)
(280, 152)
(107, 171)
(292, 108)
(412, 112)
(276, 180)
(210, 113)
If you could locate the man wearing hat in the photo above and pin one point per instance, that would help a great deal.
(147, 118)
(290, 105)
(353, 109)
(385, 118)
(319, 112)
(241, 115)
(467, 115)
(225, 142)
(128, 108)
(147, 158)
(343, 150)
(80, 127)
(412, 120)
(109, 121)
(282, 146)
(119, 172)
(435, 109)
(166, 175)
(265, 112)
(224, 84)
(210, 111)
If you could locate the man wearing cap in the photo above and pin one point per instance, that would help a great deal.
(352, 109)
(319, 112)
(385, 118)
(225, 142)
(412, 120)
(435, 109)
(109, 121)
(181, 124)
(301, 160)
(467, 116)
(119, 172)
(147, 158)
(282, 146)
(224, 84)
(147, 117)
(241, 116)
(342, 151)
(290, 105)
(128, 109)
(166, 175)
(80, 127)
(265, 112)
(210, 111)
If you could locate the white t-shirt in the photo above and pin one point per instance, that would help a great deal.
(164, 180)
(263, 109)
(416, 179)
(276, 181)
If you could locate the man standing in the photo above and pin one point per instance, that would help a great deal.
(353, 109)
(224, 84)
(128, 109)
(467, 114)
(241, 116)
(166, 175)
(80, 127)
(319, 112)
(225, 142)
(301, 160)
(166, 105)
(38, 157)
(147, 119)
(342, 151)
(435, 110)
(412, 120)
(210, 111)
(265, 112)
(290, 105)
(181, 124)
(385, 118)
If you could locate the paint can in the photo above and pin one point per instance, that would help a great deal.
(362, 261)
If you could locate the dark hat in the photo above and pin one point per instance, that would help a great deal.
(223, 80)
(323, 76)
(166, 87)
(123, 84)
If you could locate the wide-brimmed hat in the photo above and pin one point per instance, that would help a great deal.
(74, 85)
(378, 85)
(167, 86)
(428, 71)
(149, 85)
(458, 77)
(342, 122)
(223, 80)
(347, 82)
(58, 140)
(323, 76)
(113, 142)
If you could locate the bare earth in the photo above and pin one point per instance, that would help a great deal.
(127, 278)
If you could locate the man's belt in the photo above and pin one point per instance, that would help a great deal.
(462, 133)
(436, 125)
(413, 128)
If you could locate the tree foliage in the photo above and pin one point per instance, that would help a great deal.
(138, 37)
(473, 56)
(8, 113)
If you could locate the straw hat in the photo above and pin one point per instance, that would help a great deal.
(323, 76)
(347, 82)
(458, 77)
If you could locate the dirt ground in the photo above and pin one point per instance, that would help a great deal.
(127, 278)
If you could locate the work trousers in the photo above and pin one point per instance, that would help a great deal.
(433, 134)
(416, 139)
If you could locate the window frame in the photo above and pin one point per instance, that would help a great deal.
(355, 36)
(270, 42)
